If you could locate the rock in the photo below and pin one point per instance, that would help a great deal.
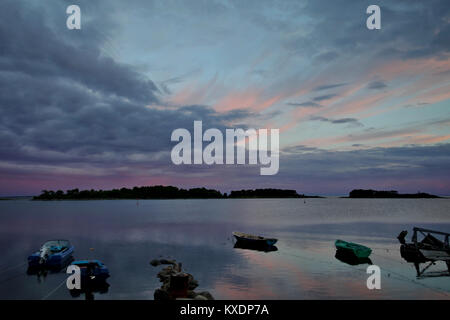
(192, 284)
(164, 274)
(161, 295)
(166, 261)
(177, 284)
(155, 262)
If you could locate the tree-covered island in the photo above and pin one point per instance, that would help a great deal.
(164, 192)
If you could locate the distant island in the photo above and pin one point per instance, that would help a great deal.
(170, 192)
(360, 193)
(165, 192)
(268, 193)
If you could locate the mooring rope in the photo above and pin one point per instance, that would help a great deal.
(12, 277)
(54, 290)
(405, 278)
(12, 267)
(389, 258)
(395, 274)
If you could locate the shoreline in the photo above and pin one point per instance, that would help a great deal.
(249, 198)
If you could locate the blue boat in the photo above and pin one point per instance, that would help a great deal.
(92, 270)
(253, 240)
(53, 254)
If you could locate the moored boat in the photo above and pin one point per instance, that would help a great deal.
(253, 240)
(358, 250)
(52, 254)
(92, 269)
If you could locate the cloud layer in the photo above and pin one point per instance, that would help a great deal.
(96, 107)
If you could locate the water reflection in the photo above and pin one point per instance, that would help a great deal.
(257, 247)
(89, 288)
(350, 258)
(42, 271)
(302, 265)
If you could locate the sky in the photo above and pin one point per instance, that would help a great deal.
(95, 108)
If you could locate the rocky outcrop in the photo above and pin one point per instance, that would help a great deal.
(177, 284)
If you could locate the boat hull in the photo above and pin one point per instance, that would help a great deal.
(255, 241)
(56, 260)
(411, 253)
(358, 250)
(348, 257)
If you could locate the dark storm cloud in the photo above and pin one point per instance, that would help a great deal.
(369, 167)
(409, 29)
(71, 111)
(34, 46)
(316, 171)
(62, 100)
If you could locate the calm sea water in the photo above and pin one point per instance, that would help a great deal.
(126, 235)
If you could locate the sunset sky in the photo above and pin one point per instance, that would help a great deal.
(95, 108)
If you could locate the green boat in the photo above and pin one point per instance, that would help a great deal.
(358, 250)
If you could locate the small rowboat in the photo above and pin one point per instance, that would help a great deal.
(92, 269)
(358, 250)
(253, 240)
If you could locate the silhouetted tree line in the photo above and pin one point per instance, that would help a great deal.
(360, 193)
(163, 192)
(265, 193)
